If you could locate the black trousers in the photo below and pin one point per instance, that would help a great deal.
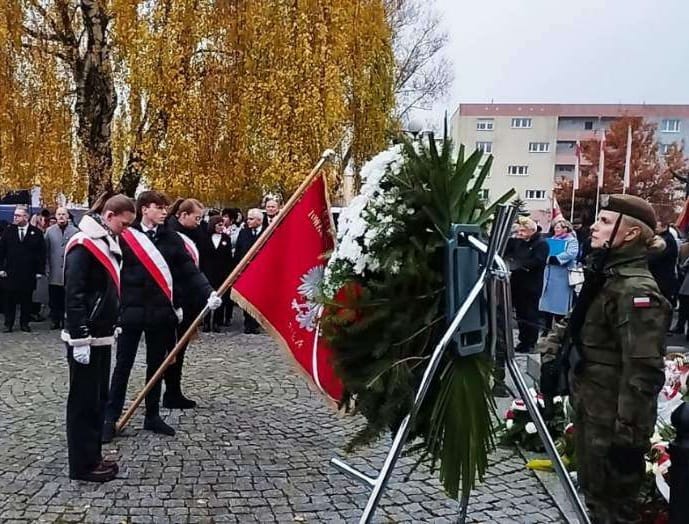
(88, 393)
(173, 374)
(159, 341)
(250, 322)
(21, 297)
(56, 302)
(528, 321)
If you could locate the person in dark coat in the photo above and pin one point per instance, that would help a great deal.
(245, 240)
(527, 255)
(272, 209)
(150, 306)
(184, 218)
(22, 261)
(217, 263)
(663, 264)
(91, 286)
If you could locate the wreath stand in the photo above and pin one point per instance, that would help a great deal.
(470, 303)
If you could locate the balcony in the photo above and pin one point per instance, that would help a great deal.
(566, 135)
(569, 159)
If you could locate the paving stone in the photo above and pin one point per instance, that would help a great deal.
(257, 449)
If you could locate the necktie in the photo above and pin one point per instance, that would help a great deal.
(21, 234)
(151, 234)
(255, 232)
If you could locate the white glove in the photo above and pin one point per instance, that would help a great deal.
(3, 274)
(180, 315)
(82, 354)
(38, 275)
(214, 301)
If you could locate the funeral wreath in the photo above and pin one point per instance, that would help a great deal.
(383, 306)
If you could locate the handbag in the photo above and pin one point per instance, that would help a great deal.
(575, 276)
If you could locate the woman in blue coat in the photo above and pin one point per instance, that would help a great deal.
(556, 299)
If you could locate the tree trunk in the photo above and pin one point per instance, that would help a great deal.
(96, 99)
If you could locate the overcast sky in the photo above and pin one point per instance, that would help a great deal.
(598, 51)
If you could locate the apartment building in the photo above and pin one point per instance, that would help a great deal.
(533, 145)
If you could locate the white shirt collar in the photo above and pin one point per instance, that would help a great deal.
(146, 229)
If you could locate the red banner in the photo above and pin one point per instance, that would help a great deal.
(278, 285)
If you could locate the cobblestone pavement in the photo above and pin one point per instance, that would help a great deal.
(256, 450)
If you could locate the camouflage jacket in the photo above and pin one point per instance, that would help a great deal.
(622, 347)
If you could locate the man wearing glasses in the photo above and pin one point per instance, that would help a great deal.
(22, 261)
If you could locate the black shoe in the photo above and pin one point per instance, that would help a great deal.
(251, 331)
(500, 390)
(109, 432)
(25, 328)
(7, 330)
(112, 465)
(55, 325)
(206, 329)
(101, 473)
(157, 425)
(216, 329)
(178, 402)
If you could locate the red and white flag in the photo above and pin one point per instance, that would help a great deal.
(628, 161)
(279, 285)
(601, 161)
(577, 164)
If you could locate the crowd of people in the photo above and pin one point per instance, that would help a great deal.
(545, 269)
(32, 250)
(129, 269)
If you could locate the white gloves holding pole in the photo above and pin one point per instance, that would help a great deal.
(214, 301)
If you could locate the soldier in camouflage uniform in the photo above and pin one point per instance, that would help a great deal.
(618, 329)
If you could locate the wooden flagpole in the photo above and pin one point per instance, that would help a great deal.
(327, 156)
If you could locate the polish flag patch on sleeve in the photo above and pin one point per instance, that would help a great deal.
(642, 302)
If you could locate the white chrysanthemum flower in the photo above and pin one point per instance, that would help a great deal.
(509, 423)
(530, 428)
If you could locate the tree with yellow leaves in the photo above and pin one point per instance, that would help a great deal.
(222, 100)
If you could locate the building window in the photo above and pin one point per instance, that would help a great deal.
(485, 147)
(535, 194)
(518, 170)
(669, 126)
(483, 194)
(588, 125)
(566, 169)
(539, 147)
(664, 148)
(484, 124)
(521, 123)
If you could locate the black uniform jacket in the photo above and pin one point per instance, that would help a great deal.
(143, 303)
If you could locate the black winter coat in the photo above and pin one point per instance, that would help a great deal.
(245, 240)
(190, 302)
(663, 266)
(217, 263)
(527, 259)
(143, 303)
(91, 300)
(22, 260)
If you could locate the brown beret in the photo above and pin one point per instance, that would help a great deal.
(631, 206)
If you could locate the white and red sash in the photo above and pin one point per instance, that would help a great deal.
(99, 249)
(191, 248)
(152, 259)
